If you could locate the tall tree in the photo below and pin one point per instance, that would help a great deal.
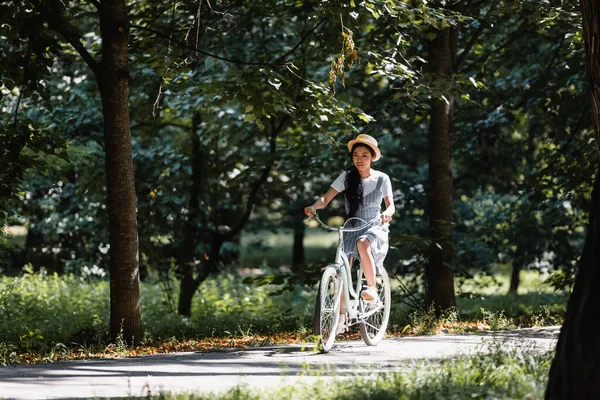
(113, 81)
(112, 77)
(575, 372)
(439, 272)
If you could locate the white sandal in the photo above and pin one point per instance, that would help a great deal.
(342, 324)
(370, 294)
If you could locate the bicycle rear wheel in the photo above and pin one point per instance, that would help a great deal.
(372, 328)
(327, 308)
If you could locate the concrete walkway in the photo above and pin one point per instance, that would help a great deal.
(259, 367)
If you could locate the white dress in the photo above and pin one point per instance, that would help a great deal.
(375, 188)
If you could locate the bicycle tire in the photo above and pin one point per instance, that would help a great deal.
(373, 328)
(327, 314)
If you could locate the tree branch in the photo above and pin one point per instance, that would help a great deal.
(282, 57)
(546, 71)
(474, 38)
(60, 25)
(258, 183)
(525, 93)
(16, 112)
(276, 62)
(584, 110)
(186, 46)
(162, 125)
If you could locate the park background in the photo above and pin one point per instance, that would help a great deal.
(195, 132)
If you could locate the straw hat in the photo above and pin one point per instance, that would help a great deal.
(367, 140)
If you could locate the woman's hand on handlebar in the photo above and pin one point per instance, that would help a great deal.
(385, 218)
(310, 211)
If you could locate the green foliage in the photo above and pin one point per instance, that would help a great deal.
(26, 55)
(225, 306)
(44, 313)
(253, 87)
(38, 311)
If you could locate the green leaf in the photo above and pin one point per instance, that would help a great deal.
(431, 36)
(364, 117)
(249, 118)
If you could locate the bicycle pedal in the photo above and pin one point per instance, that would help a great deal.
(369, 299)
(371, 306)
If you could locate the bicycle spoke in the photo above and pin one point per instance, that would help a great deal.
(374, 322)
(371, 326)
(328, 308)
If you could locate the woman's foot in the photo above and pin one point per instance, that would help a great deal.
(370, 294)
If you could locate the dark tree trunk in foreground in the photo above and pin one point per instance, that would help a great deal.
(439, 272)
(113, 81)
(575, 371)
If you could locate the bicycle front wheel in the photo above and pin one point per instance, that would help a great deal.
(327, 313)
(372, 328)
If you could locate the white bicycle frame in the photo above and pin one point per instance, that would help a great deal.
(342, 264)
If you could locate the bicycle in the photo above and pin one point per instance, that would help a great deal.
(337, 281)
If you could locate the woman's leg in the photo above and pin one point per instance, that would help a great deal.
(367, 263)
(341, 328)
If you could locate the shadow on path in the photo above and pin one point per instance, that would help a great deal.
(219, 370)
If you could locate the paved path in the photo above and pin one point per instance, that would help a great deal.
(260, 367)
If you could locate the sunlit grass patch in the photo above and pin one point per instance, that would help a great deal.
(517, 374)
(50, 317)
(483, 305)
(498, 283)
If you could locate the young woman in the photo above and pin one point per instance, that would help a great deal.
(364, 189)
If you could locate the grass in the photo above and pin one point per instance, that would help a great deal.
(50, 317)
(518, 374)
(55, 316)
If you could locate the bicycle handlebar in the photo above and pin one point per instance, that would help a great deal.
(343, 228)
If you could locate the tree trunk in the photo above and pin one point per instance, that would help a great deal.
(190, 284)
(515, 277)
(439, 271)
(298, 249)
(186, 253)
(113, 81)
(590, 10)
(209, 261)
(187, 290)
(524, 259)
(575, 371)
(187, 250)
